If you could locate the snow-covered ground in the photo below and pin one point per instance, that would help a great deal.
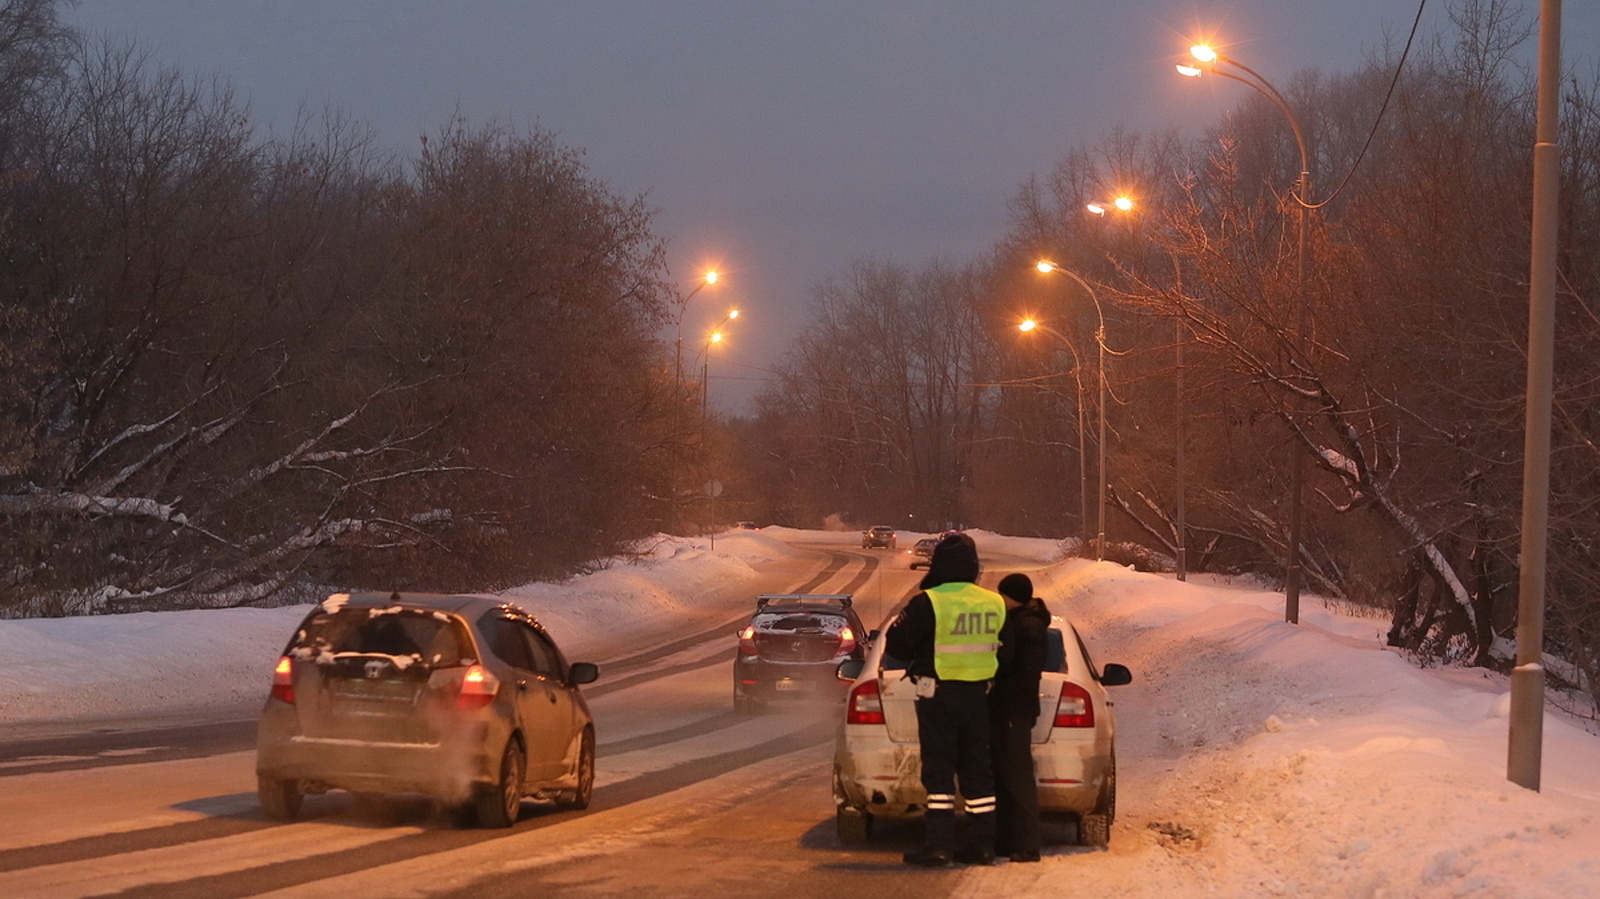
(1256, 757)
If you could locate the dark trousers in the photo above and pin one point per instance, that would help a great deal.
(953, 726)
(1015, 791)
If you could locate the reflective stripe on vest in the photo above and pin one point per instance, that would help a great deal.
(966, 631)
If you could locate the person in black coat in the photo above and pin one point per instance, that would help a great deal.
(1013, 710)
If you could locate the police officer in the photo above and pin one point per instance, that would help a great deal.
(949, 636)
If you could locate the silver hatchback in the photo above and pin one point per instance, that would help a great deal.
(877, 763)
(464, 698)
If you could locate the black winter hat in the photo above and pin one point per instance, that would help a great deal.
(955, 560)
(1017, 587)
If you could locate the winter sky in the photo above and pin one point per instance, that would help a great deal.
(778, 141)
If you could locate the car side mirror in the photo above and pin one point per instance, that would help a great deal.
(849, 670)
(1114, 675)
(583, 673)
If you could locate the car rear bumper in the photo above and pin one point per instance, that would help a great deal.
(875, 775)
(449, 769)
(763, 680)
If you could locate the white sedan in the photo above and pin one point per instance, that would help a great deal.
(877, 764)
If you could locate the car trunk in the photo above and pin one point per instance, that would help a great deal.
(378, 678)
(898, 694)
(797, 638)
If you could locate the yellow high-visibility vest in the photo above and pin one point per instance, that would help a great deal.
(966, 632)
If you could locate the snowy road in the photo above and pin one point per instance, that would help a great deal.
(1255, 758)
(170, 811)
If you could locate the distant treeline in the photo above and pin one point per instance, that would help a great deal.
(238, 367)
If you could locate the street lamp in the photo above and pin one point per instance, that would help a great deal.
(709, 278)
(1047, 267)
(1210, 61)
(1180, 336)
(1026, 326)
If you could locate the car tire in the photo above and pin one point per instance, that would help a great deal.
(854, 827)
(744, 705)
(577, 799)
(280, 799)
(501, 804)
(1094, 828)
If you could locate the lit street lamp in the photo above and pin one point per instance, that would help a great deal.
(1047, 267)
(1210, 61)
(1180, 336)
(708, 278)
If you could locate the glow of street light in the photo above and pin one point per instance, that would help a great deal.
(1188, 71)
(733, 315)
(1203, 53)
(716, 336)
(1095, 208)
(1046, 266)
(1027, 324)
(711, 277)
(1123, 203)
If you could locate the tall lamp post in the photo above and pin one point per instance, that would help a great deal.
(707, 279)
(1526, 733)
(713, 486)
(1180, 336)
(1047, 267)
(1211, 61)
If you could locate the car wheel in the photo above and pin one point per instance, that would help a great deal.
(578, 797)
(744, 705)
(1094, 828)
(854, 827)
(280, 799)
(500, 805)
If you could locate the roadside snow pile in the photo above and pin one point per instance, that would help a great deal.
(1275, 759)
(191, 665)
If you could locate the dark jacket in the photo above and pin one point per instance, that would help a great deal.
(1024, 647)
(910, 637)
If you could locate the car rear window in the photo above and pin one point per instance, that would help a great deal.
(407, 635)
(799, 621)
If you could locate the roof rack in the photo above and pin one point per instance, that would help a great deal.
(843, 599)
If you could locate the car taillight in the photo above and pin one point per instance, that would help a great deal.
(747, 642)
(283, 680)
(847, 641)
(1074, 708)
(866, 704)
(478, 688)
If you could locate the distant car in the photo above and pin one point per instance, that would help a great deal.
(922, 552)
(792, 647)
(877, 760)
(749, 526)
(879, 535)
(463, 698)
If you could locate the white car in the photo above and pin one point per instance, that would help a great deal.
(877, 764)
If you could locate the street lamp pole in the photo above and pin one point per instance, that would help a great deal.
(1181, 333)
(710, 277)
(1526, 732)
(1211, 59)
(1047, 267)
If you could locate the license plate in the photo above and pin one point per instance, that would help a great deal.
(790, 685)
(379, 690)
